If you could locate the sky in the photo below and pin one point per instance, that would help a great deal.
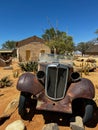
(20, 19)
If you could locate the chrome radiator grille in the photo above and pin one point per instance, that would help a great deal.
(56, 81)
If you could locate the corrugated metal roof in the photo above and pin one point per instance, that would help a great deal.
(93, 49)
(5, 51)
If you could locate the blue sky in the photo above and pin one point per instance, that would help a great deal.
(20, 19)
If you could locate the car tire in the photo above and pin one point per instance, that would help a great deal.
(83, 108)
(24, 99)
(88, 113)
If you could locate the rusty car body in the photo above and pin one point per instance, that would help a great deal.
(56, 87)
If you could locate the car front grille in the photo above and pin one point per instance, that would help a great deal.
(56, 81)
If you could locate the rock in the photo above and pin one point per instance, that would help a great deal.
(11, 107)
(16, 125)
(8, 68)
(51, 126)
(78, 124)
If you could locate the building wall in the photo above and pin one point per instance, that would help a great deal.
(92, 53)
(33, 49)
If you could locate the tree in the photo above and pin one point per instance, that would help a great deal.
(83, 46)
(69, 44)
(96, 32)
(9, 45)
(58, 40)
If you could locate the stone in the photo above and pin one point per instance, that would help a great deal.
(51, 126)
(8, 68)
(10, 109)
(78, 124)
(16, 125)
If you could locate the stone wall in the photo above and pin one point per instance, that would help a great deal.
(34, 48)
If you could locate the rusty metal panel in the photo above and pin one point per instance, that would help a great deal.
(44, 103)
(81, 89)
(29, 83)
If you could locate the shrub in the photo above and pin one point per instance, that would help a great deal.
(29, 66)
(5, 82)
(15, 74)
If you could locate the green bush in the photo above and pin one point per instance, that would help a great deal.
(29, 66)
(5, 82)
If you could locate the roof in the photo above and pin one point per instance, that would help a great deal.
(5, 51)
(28, 40)
(93, 49)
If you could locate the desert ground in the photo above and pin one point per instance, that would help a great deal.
(7, 94)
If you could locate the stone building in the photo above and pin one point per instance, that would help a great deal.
(30, 48)
(93, 50)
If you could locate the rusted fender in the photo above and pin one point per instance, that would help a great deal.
(81, 89)
(28, 82)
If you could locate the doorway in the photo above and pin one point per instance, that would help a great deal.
(27, 55)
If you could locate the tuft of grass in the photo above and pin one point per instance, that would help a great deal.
(15, 74)
(5, 82)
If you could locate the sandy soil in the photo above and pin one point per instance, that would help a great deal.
(40, 118)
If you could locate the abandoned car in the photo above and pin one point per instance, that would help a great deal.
(57, 88)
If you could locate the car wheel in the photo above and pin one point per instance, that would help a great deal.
(83, 108)
(88, 113)
(24, 102)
